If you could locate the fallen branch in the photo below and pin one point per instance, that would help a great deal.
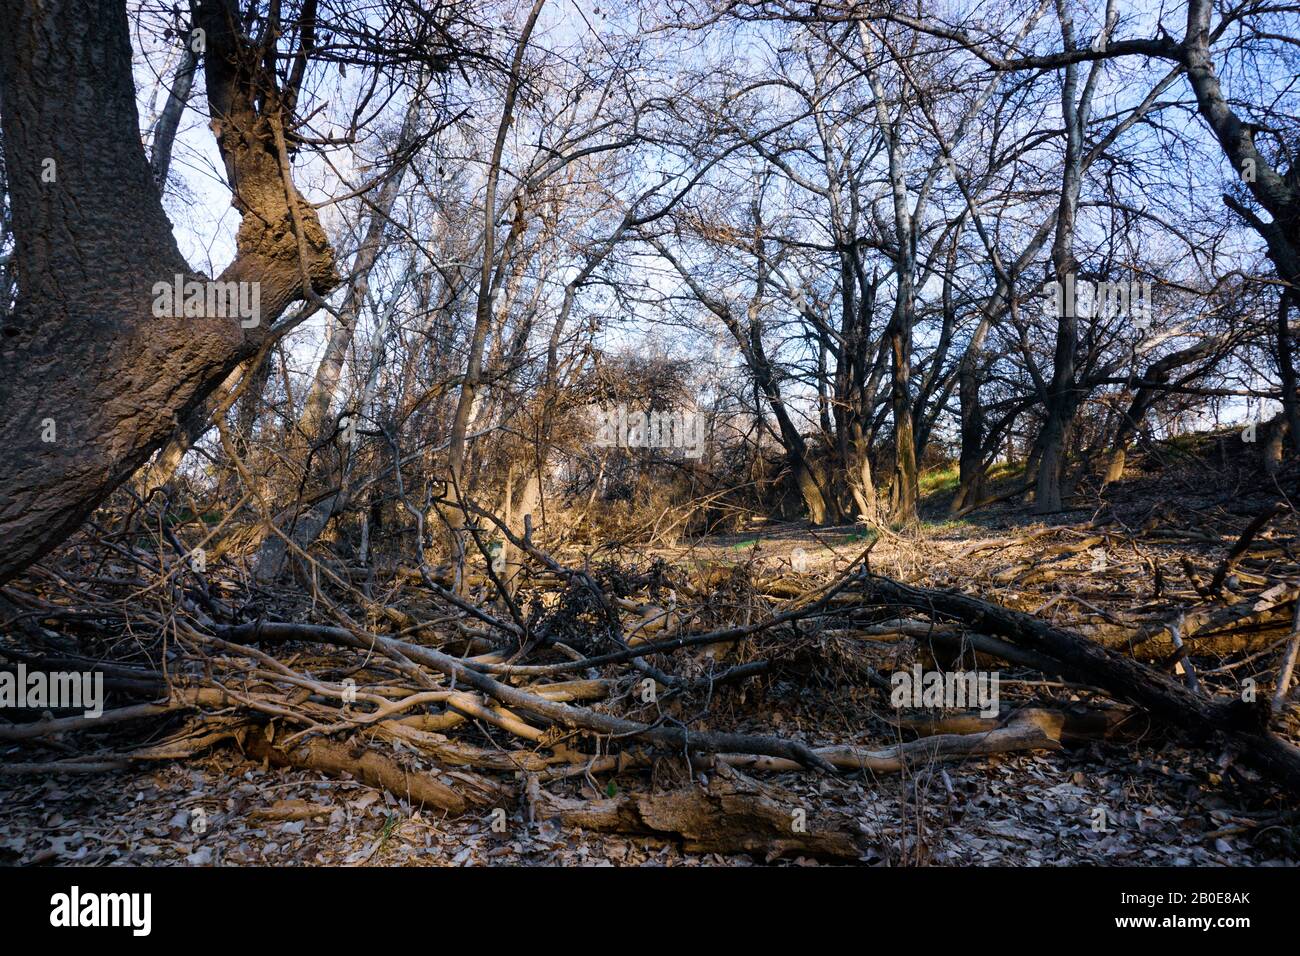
(1017, 736)
(375, 769)
(731, 814)
(1245, 725)
(569, 717)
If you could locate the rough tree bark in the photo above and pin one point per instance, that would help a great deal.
(93, 381)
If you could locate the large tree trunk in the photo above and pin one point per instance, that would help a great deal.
(1051, 461)
(86, 362)
(159, 471)
(1286, 367)
(1063, 395)
(862, 487)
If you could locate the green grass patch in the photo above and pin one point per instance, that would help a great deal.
(939, 480)
(1005, 470)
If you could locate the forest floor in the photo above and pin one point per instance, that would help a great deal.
(1130, 552)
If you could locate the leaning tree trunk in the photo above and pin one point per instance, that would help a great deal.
(169, 121)
(93, 380)
(1157, 374)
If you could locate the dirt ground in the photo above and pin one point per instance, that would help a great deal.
(1021, 810)
(1130, 555)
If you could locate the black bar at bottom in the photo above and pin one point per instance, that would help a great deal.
(379, 907)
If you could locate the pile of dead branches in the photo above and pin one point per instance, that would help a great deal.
(468, 697)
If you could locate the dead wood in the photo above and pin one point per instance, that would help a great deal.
(1015, 737)
(573, 718)
(368, 766)
(1243, 543)
(1071, 726)
(1245, 725)
(730, 813)
(1287, 667)
(288, 811)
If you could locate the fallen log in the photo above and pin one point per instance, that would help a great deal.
(1015, 737)
(1212, 629)
(730, 814)
(375, 769)
(1245, 725)
(1070, 726)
